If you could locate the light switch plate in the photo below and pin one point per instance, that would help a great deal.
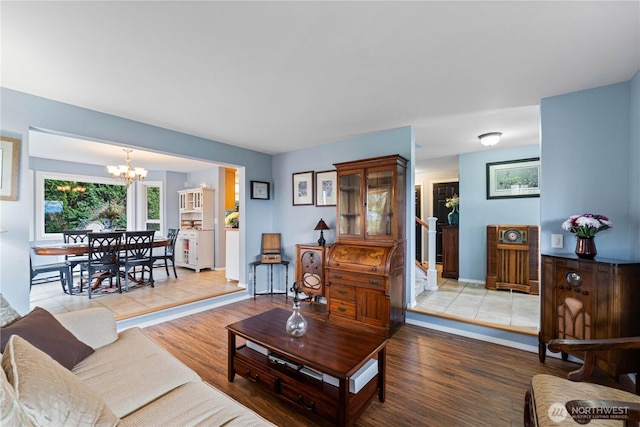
(556, 241)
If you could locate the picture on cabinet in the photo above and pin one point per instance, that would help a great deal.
(326, 188)
(302, 188)
(514, 178)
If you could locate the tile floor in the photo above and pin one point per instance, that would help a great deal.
(473, 301)
(168, 292)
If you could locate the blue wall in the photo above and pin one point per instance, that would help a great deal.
(19, 112)
(476, 211)
(634, 166)
(297, 222)
(586, 166)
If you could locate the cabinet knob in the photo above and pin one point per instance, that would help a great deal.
(337, 276)
(342, 291)
(560, 287)
(374, 281)
(585, 293)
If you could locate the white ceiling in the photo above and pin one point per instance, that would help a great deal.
(279, 76)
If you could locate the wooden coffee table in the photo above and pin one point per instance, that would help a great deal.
(326, 348)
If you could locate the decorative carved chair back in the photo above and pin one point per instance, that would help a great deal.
(139, 245)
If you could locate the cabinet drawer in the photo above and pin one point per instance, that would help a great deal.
(309, 402)
(342, 308)
(343, 292)
(367, 279)
(255, 375)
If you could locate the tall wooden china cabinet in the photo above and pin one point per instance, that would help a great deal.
(365, 277)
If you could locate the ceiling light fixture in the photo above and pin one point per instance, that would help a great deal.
(489, 139)
(125, 172)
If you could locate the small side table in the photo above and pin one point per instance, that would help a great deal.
(255, 264)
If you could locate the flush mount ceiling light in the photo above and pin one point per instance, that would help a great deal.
(125, 172)
(489, 139)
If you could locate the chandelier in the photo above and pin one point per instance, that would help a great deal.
(125, 172)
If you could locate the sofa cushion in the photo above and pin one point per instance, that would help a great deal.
(50, 394)
(42, 330)
(7, 314)
(95, 326)
(12, 413)
(111, 371)
(194, 404)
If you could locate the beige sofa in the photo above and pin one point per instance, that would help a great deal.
(131, 382)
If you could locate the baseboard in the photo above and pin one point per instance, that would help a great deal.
(154, 318)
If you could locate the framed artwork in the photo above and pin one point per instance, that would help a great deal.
(260, 190)
(326, 188)
(9, 162)
(303, 188)
(514, 178)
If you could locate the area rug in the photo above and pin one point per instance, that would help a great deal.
(105, 289)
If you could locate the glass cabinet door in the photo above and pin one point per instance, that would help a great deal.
(379, 203)
(350, 204)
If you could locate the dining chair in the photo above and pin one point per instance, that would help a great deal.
(75, 237)
(61, 267)
(169, 252)
(103, 259)
(138, 253)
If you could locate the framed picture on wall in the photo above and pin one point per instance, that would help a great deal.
(259, 190)
(302, 188)
(9, 162)
(513, 179)
(326, 188)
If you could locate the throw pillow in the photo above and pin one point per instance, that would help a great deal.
(42, 330)
(7, 314)
(50, 394)
(12, 412)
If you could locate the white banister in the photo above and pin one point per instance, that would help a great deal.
(432, 273)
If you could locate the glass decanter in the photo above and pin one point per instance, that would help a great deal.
(296, 324)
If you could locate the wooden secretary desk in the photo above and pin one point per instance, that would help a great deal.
(364, 274)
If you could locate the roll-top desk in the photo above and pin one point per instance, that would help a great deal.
(591, 299)
(365, 280)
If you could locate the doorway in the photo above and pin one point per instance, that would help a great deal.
(441, 192)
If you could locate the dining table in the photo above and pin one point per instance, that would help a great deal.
(60, 249)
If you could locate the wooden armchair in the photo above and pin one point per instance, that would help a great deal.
(547, 391)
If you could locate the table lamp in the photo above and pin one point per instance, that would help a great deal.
(321, 226)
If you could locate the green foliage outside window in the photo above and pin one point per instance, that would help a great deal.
(153, 202)
(70, 205)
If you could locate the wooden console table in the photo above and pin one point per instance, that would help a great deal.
(326, 348)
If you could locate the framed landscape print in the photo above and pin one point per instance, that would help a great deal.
(514, 178)
(260, 190)
(326, 188)
(9, 162)
(302, 188)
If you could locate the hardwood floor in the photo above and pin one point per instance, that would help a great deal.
(433, 378)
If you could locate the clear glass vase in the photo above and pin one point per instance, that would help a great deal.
(296, 324)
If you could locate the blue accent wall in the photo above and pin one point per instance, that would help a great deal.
(587, 157)
(297, 222)
(634, 167)
(476, 211)
(20, 112)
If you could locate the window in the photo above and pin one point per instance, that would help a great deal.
(151, 206)
(68, 202)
